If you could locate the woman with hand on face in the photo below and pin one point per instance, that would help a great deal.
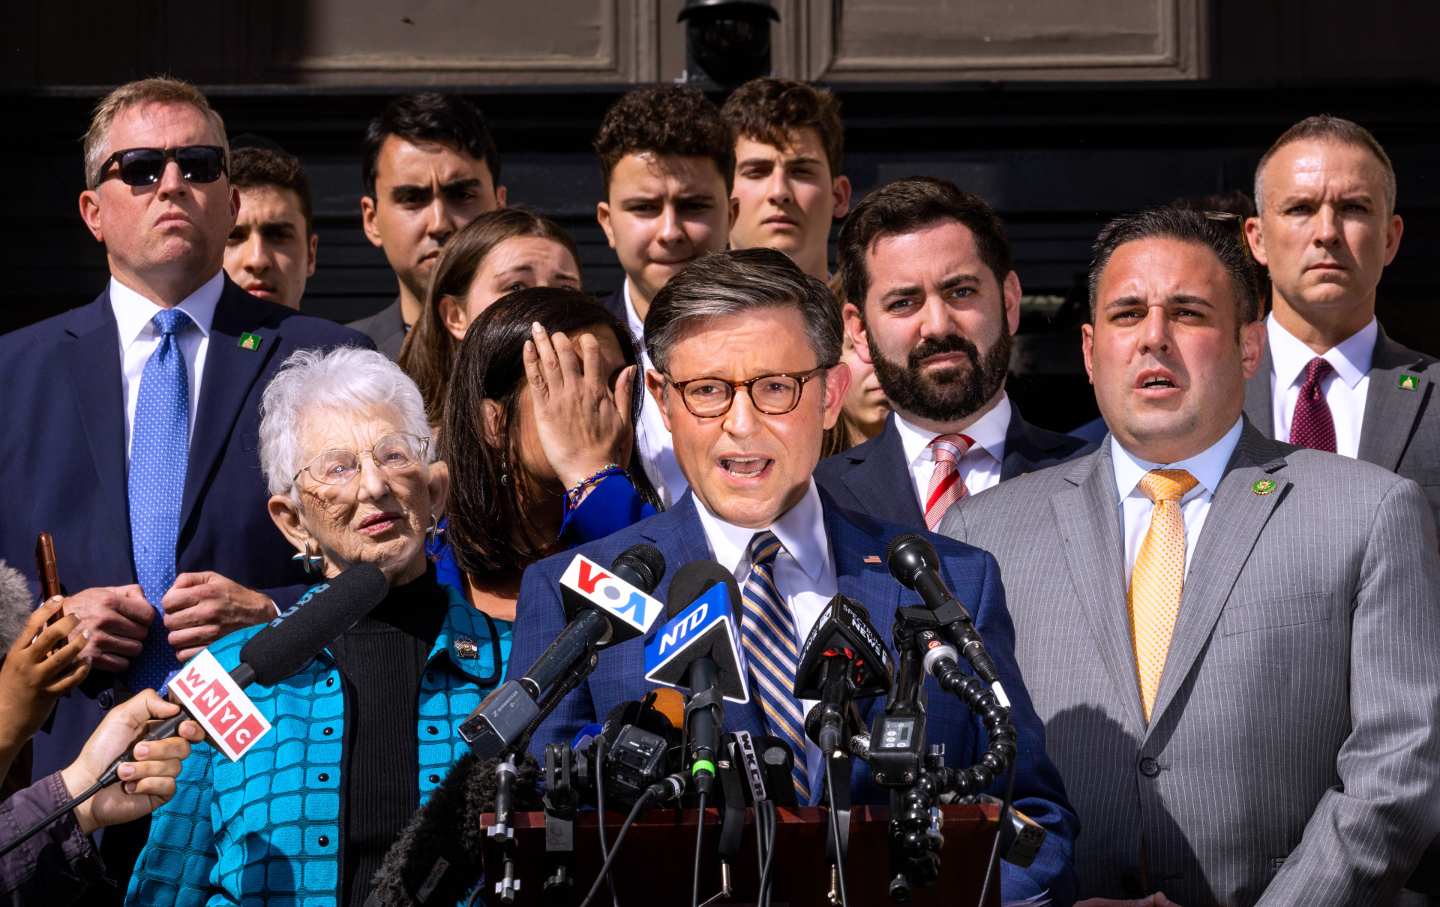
(539, 429)
(369, 728)
(497, 253)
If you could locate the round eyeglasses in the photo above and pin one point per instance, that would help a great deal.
(773, 395)
(394, 453)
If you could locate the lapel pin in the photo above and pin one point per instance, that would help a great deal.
(250, 341)
(872, 558)
(1409, 382)
(1263, 486)
(465, 647)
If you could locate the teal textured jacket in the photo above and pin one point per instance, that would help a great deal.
(267, 830)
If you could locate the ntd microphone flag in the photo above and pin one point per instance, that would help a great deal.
(586, 585)
(705, 627)
(215, 700)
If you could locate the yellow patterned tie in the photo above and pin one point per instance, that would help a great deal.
(1158, 578)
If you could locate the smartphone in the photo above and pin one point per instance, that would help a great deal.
(45, 566)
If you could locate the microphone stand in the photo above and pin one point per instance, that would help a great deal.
(502, 831)
(561, 802)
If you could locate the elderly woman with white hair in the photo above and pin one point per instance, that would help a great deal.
(368, 729)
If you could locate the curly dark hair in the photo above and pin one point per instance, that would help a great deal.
(256, 166)
(664, 119)
(430, 117)
(766, 109)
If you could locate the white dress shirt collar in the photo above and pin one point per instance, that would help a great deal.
(134, 313)
(632, 318)
(1208, 466)
(801, 529)
(988, 433)
(1350, 357)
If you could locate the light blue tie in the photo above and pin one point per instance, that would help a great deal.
(159, 454)
(768, 635)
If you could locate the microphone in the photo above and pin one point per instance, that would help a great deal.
(698, 650)
(15, 605)
(603, 608)
(286, 645)
(842, 660)
(913, 561)
(440, 856)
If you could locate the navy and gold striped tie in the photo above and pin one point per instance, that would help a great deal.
(768, 636)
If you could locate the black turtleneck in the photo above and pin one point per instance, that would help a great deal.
(381, 660)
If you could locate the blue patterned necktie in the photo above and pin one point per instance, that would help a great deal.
(767, 634)
(159, 454)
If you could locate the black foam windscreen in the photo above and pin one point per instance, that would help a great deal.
(908, 555)
(642, 566)
(290, 641)
(692, 580)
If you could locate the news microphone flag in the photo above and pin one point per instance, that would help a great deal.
(585, 585)
(705, 627)
(215, 700)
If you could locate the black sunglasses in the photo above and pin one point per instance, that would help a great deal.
(145, 166)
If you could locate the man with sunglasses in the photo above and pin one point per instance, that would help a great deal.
(133, 420)
(745, 350)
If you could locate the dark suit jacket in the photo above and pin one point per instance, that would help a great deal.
(1401, 427)
(63, 457)
(614, 303)
(874, 478)
(971, 574)
(386, 328)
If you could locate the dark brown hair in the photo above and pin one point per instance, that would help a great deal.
(430, 117)
(767, 109)
(908, 205)
(664, 120)
(254, 166)
(428, 354)
(1218, 232)
(488, 525)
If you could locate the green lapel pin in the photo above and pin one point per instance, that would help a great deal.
(250, 341)
(1263, 486)
(1409, 382)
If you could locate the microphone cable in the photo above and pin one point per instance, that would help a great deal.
(835, 833)
(699, 838)
(600, 815)
(994, 859)
(55, 814)
(640, 803)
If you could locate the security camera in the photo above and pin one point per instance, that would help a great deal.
(727, 42)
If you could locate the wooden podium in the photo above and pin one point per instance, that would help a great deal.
(655, 863)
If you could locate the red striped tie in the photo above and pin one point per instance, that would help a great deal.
(946, 485)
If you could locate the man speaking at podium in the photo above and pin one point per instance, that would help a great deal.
(745, 349)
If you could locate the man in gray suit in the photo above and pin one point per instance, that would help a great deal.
(1330, 378)
(932, 302)
(1234, 643)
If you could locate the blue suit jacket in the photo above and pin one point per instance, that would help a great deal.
(971, 574)
(63, 459)
(863, 479)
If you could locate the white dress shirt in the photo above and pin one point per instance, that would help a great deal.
(139, 338)
(1208, 467)
(1345, 388)
(657, 451)
(979, 468)
(804, 575)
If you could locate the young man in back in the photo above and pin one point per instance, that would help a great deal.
(788, 186)
(665, 161)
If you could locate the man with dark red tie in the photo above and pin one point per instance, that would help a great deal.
(1331, 379)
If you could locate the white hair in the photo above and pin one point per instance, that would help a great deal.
(346, 379)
